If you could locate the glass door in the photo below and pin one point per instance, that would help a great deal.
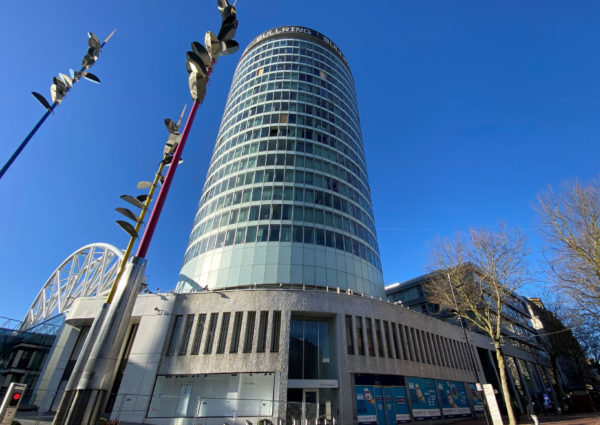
(310, 405)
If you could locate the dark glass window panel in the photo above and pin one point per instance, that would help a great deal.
(277, 193)
(370, 344)
(265, 212)
(297, 233)
(174, 335)
(296, 349)
(223, 334)
(349, 336)
(298, 213)
(339, 241)
(288, 193)
(359, 336)
(286, 212)
(309, 215)
(275, 331)
(229, 237)
(269, 175)
(320, 236)
(289, 176)
(309, 196)
(274, 233)
(224, 219)
(233, 217)
(319, 197)
(286, 233)
(263, 233)
(243, 215)
(276, 212)
(249, 333)
(220, 240)
(330, 239)
(253, 216)
(235, 332)
(251, 234)
(396, 341)
(239, 235)
(210, 335)
(198, 334)
(319, 216)
(309, 235)
(256, 193)
(262, 332)
(267, 193)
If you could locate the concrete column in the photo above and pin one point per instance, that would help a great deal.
(135, 392)
(52, 374)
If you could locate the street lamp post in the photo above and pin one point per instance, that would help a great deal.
(58, 90)
(88, 389)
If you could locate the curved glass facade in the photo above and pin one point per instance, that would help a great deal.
(287, 198)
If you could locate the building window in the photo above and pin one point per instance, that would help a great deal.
(440, 345)
(370, 345)
(386, 331)
(359, 336)
(378, 337)
(249, 334)
(235, 336)
(275, 331)
(262, 332)
(310, 349)
(210, 337)
(198, 334)
(349, 336)
(174, 335)
(223, 335)
(409, 343)
(395, 338)
(426, 348)
(187, 330)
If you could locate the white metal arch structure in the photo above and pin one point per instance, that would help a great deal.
(87, 272)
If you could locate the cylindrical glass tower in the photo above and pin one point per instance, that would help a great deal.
(287, 198)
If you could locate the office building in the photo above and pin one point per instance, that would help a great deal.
(287, 198)
(279, 312)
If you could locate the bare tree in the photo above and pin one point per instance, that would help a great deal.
(475, 276)
(570, 223)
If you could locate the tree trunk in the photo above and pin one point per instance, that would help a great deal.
(504, 382)
(558, 387)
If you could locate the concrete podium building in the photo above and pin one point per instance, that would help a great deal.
(279, 312)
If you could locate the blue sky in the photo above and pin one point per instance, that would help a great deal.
(468, 108)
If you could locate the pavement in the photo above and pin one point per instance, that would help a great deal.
(34, 418)
(576, 419)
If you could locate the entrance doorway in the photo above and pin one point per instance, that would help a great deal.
(310, 405)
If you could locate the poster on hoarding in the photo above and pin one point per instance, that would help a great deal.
(388, 401)
(365, 405)
(423, 399)
(453, 398)
(476, 398)
(379, 405)
(401, 405)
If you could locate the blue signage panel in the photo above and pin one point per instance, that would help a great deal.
(388, 401)
(365, 405)
(476, 398)
(453, 398)
(379, 405)
(401, 405)
(423, 399)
